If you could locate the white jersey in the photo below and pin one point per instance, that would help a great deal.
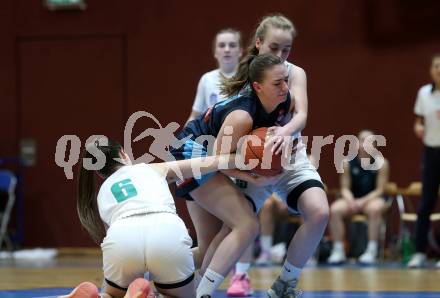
(134, 189)
(428, 106)
(208, 91)
(298, 172)
(290, 78)
(289, 70)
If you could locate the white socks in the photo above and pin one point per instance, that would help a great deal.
(266, 243)
(210, 282)
(372, 247)
(338, 246)
(242, 268)
(197, 278)
(290, 272)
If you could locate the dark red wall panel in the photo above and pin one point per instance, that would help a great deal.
(67, 87)
(85, 72)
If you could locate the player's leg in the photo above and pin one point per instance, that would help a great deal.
(83, 290)
(207, 226)
(267, 222)
(312, 204)
(240, 285)
(169, 257)
(221, 235)
(303, 192)
(123, 256)
(139, 288)
(338, 211)
(220, 197)
(374, 210)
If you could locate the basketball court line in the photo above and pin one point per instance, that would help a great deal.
(55, 292)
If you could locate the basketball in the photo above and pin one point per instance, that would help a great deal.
(255, 150)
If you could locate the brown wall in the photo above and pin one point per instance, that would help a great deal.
(85, 72)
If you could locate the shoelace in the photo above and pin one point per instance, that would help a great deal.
(293, 291)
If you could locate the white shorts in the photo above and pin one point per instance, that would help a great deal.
(292, 184)
(157, 243)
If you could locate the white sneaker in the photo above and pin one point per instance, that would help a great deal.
(437, 265)
(368, 257)
(337, 257)
(417, 260)
(278, 252)
(312, 262)
(264, 259)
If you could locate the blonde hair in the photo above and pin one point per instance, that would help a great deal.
(274, 21)
(231, 86)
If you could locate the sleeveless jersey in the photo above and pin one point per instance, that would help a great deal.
(210, 122)
(362, 181)
(134, 189)
(208, 91)
(289, 70)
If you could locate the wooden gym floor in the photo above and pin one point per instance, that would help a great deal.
(49, 278)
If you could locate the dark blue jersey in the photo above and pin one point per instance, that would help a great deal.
(362, 181)
(210, 122)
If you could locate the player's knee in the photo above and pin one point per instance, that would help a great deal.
(252, 226)
(320, 216)
(336, 210)
(204, 240)
(374, 212)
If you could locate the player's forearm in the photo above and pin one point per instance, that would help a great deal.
(373, 194)
(347, 194)
(188, 168)
(239, 174)
(297, 123)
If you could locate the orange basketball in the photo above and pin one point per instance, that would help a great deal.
(271, 164)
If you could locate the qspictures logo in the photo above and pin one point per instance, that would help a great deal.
(164, 139)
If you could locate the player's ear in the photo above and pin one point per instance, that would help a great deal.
(256, 86)
(124, 156)
(258, 43)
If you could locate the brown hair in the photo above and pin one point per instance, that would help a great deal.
(253, 72)
(230, 88)
(227, 30)
(87, 205)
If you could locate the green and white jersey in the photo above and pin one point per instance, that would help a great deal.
(134, 189)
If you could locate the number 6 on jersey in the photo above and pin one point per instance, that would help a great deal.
(123, 190)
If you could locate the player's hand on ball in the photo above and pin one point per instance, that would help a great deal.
(279, 139)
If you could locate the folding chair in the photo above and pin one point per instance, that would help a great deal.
(407, 201)
(8, 181)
